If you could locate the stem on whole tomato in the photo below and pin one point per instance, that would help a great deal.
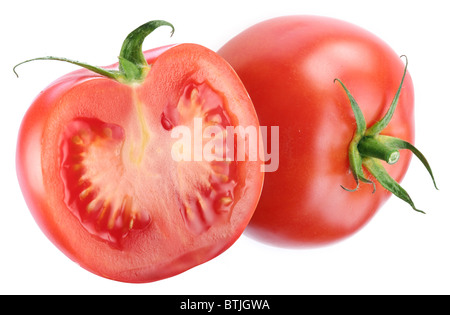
(133, 67)
(371, 146)
(368, 148)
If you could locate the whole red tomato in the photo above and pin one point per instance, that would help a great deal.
(96, 161)
(324, 82)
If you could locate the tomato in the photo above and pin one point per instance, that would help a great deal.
(95, 162)
(323, 81)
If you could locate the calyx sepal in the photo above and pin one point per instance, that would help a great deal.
(368, 148)
(133, 67)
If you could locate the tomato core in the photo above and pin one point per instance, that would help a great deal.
(102, 163)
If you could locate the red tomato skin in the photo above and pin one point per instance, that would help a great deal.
(288, 66)
(42, 188)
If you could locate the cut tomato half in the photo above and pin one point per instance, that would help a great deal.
(106, 174)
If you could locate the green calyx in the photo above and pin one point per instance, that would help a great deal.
(368, 148)
(133, 67)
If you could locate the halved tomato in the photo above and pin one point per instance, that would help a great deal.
(95, 161)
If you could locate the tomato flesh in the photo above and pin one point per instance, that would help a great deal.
(216, 182)
(92, 172)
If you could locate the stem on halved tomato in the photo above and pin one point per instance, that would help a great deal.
(368, 148)
(133, 67)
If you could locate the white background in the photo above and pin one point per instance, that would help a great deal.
(398, 252)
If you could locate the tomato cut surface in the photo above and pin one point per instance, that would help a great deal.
(93, 175)
(110, 177)
(217, 179)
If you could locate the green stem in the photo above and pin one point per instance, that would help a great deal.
(132, 63)
(368, 148)
(107, 73)
(382, 123)
(133, 67)
(376, 169)
(402, 144)
(371, 147)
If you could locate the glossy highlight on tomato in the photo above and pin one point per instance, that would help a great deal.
(343, 101)
(95, 167)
